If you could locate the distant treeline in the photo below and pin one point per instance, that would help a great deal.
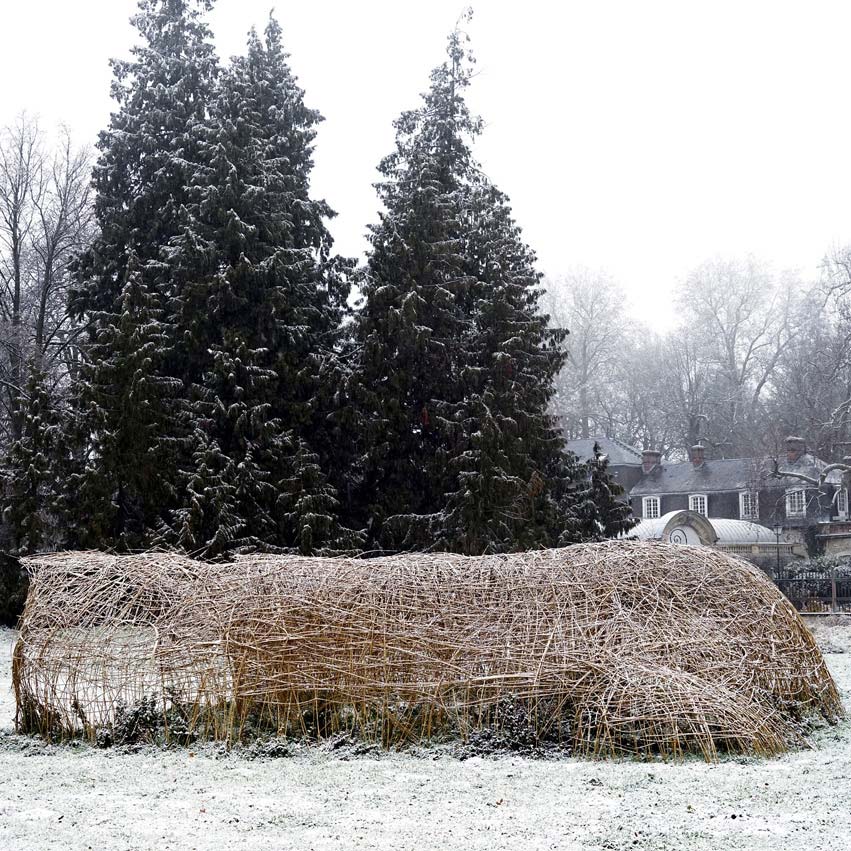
(756, 355)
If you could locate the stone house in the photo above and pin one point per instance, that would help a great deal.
(798, 512)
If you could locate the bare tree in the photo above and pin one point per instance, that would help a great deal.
(622, 379)
(591, 306)
(686, 374)
(45, 220)
(817, 371)
(64, 226)
(812, 387)
(739, 320)
(835, 284)
(20, 161)
(715, 379)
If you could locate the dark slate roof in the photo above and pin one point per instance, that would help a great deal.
(731, 474)
(618, 452)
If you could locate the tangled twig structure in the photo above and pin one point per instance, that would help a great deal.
(615, 648)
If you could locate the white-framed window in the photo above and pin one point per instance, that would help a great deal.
(796, 503)
(650, 507)
(748, 505)
(842, 503)
(697, 503)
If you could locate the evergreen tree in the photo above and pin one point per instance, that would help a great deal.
(309, 507)
(213, 305)
(457, 362)
(32, 482)
(130, 412)
(602, 505)
(149, 156)
(259, 304)
(151, 149)
(512, 466)
(414, 317)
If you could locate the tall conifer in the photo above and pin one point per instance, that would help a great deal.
(456, 362)
(413, 321)
(32, 485)
(213, 305)
(130, 380)
(132, 414)
(259, 305)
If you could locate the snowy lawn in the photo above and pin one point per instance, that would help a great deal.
(73, 797)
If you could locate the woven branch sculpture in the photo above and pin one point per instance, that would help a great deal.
(614, 648)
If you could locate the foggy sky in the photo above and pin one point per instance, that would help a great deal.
(638, 137)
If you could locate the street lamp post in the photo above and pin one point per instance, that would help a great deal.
(778, 529)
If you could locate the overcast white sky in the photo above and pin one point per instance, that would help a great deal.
(641, 137)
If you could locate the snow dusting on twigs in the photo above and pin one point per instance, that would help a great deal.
(607, 649)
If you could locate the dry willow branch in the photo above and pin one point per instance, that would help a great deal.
(627, 647)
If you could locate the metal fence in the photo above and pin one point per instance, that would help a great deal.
(817, 590)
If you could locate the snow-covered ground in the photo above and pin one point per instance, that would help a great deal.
(69, 797)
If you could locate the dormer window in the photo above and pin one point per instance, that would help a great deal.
(749, 505)
(796, 503)
(697, 503)
(650, 507)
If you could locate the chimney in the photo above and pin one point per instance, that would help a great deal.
(650, 458)
(795, 448)
(697, 456)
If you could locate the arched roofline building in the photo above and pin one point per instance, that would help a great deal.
(739, 537)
